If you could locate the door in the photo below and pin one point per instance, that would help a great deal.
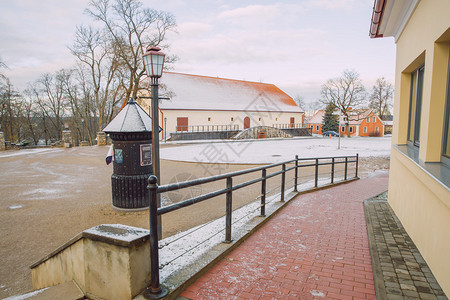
(246, 122)
(292, 122)
(182, 124)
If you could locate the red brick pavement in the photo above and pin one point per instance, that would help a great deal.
(316, 247)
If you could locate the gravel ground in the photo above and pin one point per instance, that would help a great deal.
(47, 196)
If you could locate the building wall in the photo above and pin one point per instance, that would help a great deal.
(314, 128)
(371, 126)
(198, 117)
(419, 199)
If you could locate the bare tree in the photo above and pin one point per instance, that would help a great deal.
(130, 28)
(300, 101)
(381, 97)
(345, 92)
(51, 100)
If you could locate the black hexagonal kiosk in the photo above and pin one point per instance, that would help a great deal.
(131, 133)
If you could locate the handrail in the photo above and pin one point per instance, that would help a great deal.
(154, 189)
(206, 128)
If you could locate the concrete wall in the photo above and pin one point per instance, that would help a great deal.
(107, 262)
(419, 199)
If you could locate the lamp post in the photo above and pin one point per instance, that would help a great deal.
(82, 129)
(154, 63)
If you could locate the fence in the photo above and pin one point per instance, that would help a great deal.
(298, 163)
(206, 128)
(288, 125)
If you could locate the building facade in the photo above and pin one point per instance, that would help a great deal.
(201, 103)
(419, 180)
(363, 123)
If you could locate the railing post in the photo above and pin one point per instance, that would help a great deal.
(357, 158)
(283, 182)
(316, 173)
(263, 193)
(332, 170)
(296, 174)
(345, 172)
(155, 290)
(229, 209)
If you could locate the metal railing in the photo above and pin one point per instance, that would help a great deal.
(206, 128)
(288, 125)
(298, 163)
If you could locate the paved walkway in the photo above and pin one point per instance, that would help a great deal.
(316, 247)
(399, 269)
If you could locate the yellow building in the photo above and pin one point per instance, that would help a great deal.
(419, 177)
(202, 103)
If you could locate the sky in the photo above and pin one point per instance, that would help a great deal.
(296, 45)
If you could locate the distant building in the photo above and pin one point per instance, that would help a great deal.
(315, 123)
(209, 103)
(419, 176)
(362, 123)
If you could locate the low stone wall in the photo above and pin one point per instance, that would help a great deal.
(106, 262)
(297, 131)
(205, 135)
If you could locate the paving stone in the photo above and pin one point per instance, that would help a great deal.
(406, 286)
(394, 297)
(394, 291)
(426, 296)
(411, 294)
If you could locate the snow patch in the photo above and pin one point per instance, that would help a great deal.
(317, 293)
(26, 296)
(17, 206)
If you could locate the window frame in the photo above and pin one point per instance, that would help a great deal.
(416, 90)
(445, 158)
(374, 119)
(368, 120)
(365, 129)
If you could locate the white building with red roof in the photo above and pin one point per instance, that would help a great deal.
(197, 103)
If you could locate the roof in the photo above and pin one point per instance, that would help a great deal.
(357, 116)
(132, 118)
(389, 17)
(317, 118)
(194, 92)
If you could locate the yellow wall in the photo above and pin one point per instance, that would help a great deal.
(421, 202)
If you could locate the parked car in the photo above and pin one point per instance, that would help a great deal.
(333, 133)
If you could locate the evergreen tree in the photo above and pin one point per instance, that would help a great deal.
(330, 122)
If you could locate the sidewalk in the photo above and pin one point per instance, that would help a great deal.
(316, 247)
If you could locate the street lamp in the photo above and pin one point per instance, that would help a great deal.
(82, 129)
(154, 63)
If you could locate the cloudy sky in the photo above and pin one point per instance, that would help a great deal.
(296, 45)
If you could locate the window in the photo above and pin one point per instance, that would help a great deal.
(376, 129)
(259, 119)
(232, 119)
(365, 129)
(351, 129)
(209, 119)
(446, 137)
(317, 127)
(415, 106)
(374, 119)
(368, 120)
(343, 129)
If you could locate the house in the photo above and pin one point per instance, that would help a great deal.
(419, 179)
(315, 123)
(362, 123)
(202, 103)
(388, 121)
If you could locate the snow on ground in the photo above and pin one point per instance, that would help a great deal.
(28, 151)
(276, 150)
